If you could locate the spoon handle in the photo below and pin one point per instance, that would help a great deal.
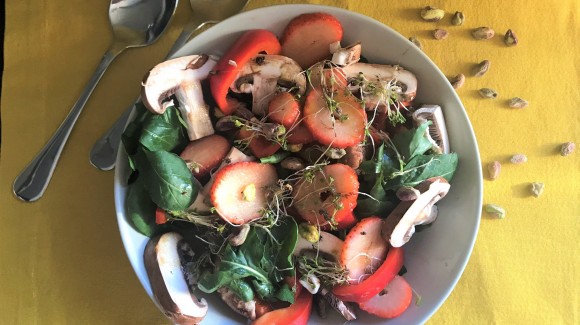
(104, 152)
(192, 25)
(32, 182)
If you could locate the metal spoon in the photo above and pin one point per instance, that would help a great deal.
(104, 152)
(135, 23)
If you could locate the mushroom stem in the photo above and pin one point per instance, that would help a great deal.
(399, 226)
(181, 77)
(262, 76)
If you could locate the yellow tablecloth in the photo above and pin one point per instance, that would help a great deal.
(61, 258)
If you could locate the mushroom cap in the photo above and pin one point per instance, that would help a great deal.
(166, 78)
(262, 75)
(380, 73)
(168, 281)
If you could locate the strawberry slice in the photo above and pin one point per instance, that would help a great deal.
(202, 201)
(336, 119)
(331, 77)
(364, 249)
(239, 191)
(284, 109)
(259, 146)
(328, 196)
(205, 154)
(307, 37)
(299, 134)
(392, 301)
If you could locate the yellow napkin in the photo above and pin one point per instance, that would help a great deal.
(61, 258)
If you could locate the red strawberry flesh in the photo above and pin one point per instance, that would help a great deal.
(307, 38)
(364, 249)
(228, 193)
(318, 200)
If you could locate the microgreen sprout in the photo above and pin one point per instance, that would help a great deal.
(209, 221)
(274, 132)
(330, 273)
(382, 93)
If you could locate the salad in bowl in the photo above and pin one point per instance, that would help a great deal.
(288, 171)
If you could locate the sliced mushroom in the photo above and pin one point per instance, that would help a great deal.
(378, 76)
(347, 55)
(310, 282)
(181, 77)
(354, 155)
(239, 235)
(437, 132)
(343, 308)
(165, 258)
(244, 308)
(399, 226)
(262, 77)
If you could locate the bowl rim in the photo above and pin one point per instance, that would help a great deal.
(121, 156)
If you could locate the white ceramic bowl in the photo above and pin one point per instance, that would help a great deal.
(436, 257)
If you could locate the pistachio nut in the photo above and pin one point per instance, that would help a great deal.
(567, 148)
(335, 153)
(482, 33)
(494, 168)
(510, 38)
(536, 189)
(458, 18)
(517, 102)
(440, 34)
(488, 93)
(309, 232)
(495, 210)
(457, 81)
(481, 68)
(519, 158)
(416, 41)
(432, 14)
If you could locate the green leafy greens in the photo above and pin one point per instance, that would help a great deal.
(259, 264)
(161, 178)
(404, 161)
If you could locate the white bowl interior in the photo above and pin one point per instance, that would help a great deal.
(435, 257)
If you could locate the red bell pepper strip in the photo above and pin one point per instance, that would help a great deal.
(160, 216)
(225, 72)
(372, 285)
(296, 314)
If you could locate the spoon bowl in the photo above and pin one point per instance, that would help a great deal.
(104, 152)
(135, 23)
(144, 29)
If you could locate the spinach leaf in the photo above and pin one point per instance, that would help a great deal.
(130, 136)
(140, 209)
(163, 132)
(168, 180)
(288, 231)
(423, 167)
(285, 293)
(262, 260)
(235, 265)
(413, 142)
(379, 203)
(242, 289)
